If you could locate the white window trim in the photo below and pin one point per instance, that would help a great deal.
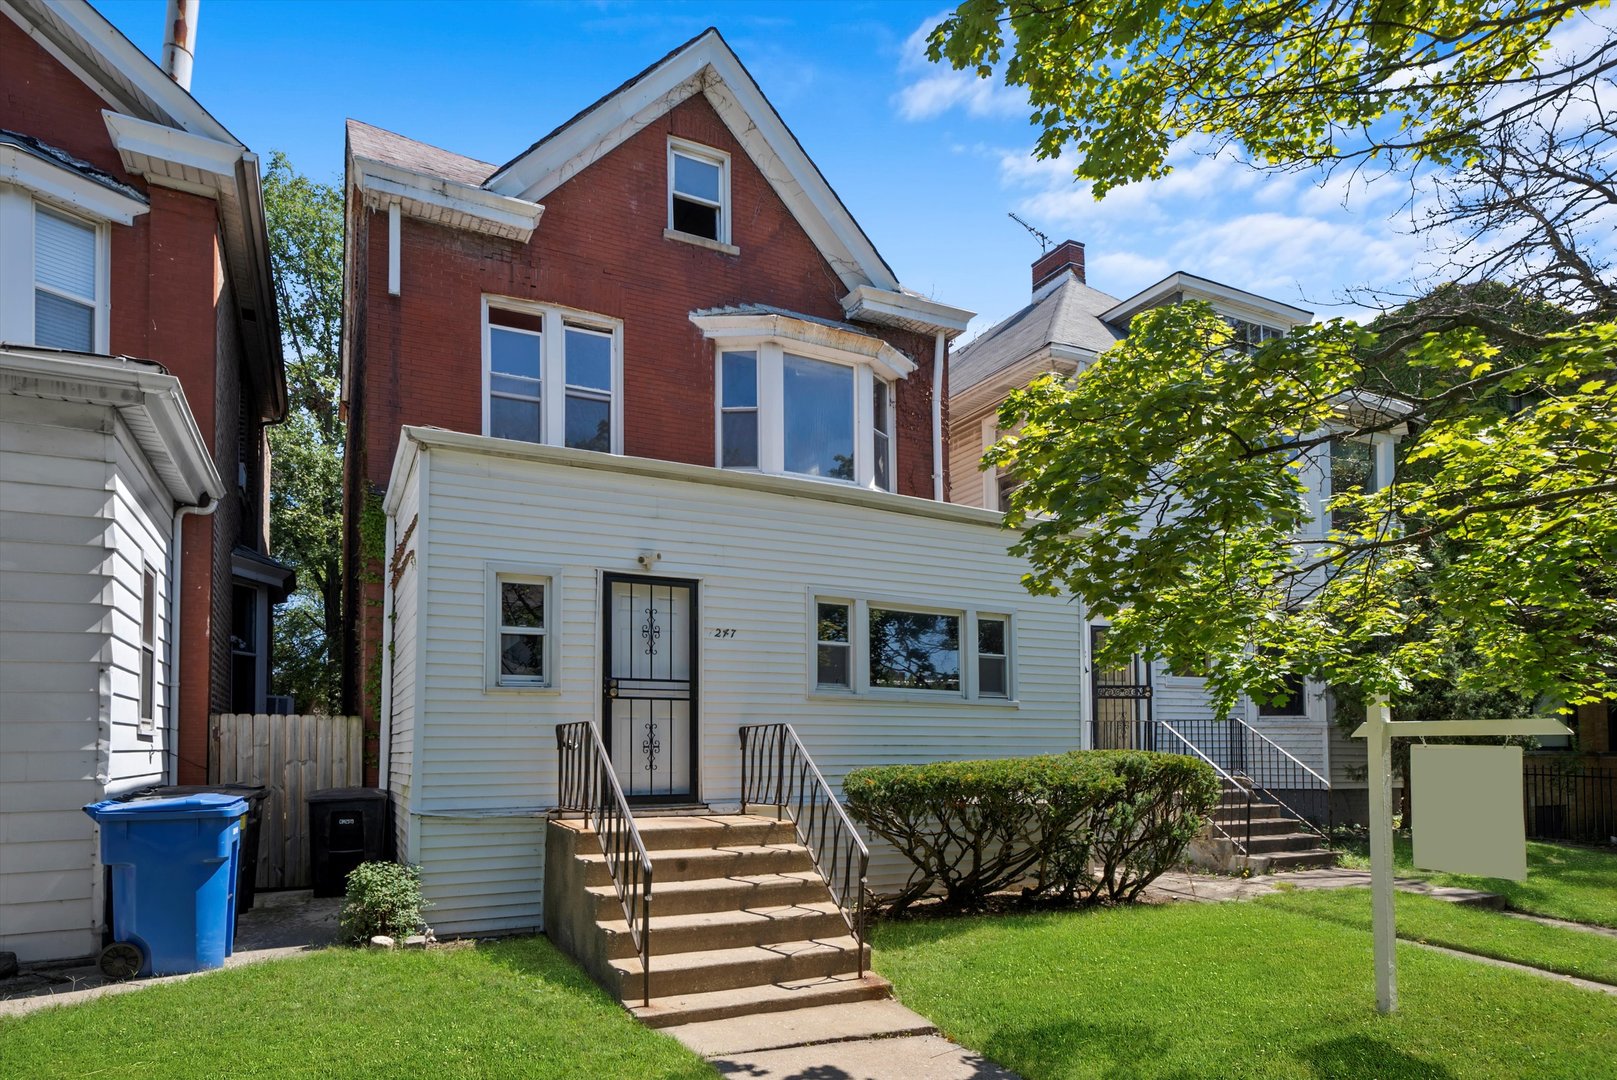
(553, 364)
(859, 641)
(17, 278)
(494, 574)
(771, 355)
(713, 157)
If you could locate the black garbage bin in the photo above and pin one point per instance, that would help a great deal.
(347, 826)
(247, 876)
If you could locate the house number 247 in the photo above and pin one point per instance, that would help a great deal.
(724, 631)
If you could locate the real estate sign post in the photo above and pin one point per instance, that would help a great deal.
(1378, 731)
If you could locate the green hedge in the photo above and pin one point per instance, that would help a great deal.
(1086, 826)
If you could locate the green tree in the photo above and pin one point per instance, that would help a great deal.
(1168, 483)
(305, 236)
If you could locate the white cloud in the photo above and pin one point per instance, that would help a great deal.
(934, 89)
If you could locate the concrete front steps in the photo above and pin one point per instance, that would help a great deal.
(741, 922)
(1278, 841)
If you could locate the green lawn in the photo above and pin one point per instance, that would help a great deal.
(1563, 882)
(1478, 930)
(515, 1008)
(1232, 990)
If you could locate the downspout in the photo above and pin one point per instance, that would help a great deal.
(938, 353)
(385, 726)
(176, 560)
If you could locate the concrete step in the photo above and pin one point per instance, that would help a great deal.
(1264, 826)
(770, 998)
(848, 1021)
(717, 894)
(728, 969)
(705, 930)
(712, 830)
(1279, 843)
(696, 864)
(1301, 860)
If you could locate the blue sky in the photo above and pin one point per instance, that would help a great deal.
(929, 160)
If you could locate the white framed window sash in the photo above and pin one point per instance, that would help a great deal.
(17, 272)
(496, 574)
(772, 408)
(859, 642)
(553, 386)
(684, 147)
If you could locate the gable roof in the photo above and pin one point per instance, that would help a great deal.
(705, 65)
(1066, 317)
(164, 134)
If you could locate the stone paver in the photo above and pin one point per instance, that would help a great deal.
(922, 1057)
(281, 924)
(1207, 888)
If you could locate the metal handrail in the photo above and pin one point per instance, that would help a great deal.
(1267, 767)
(588, 785)
(776, 770)
(1154, 726)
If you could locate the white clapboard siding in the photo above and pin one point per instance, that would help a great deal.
(405, 646)
(81, 515)
(759, 557)
(482, 874)
(965, 458)
(292, 756)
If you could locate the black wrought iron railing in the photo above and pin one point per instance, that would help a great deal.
(1253, 767)
(776, 771)
(1569, 804)
(1264, 767)
(589, 786)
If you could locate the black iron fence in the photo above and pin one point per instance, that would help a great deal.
(1569, 804)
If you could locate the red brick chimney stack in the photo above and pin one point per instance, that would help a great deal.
(1065, 257)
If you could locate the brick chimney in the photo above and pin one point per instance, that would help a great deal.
(1065, 257)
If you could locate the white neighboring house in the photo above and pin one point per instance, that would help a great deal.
(670, 604)
(99, 459)
(1066, 325)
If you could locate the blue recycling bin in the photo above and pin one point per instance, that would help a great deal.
(174, 863)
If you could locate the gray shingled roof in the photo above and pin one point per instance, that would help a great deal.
(1067, 315)
(379, 144)
(55, 155)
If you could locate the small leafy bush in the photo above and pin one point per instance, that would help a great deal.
(382, 898)
(1085, 826)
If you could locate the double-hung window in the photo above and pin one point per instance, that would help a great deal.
(833, 652)
(738, 410)
(698, 191)
(66, 273)
(552, 376)
(521, 629)
(882, 433)
(993, 657)
(1353, 472)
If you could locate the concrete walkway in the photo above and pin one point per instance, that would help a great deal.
(860, 1040)
(1209, 888)
(280, 924)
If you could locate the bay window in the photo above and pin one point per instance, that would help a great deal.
(551, 375)
(803, 397)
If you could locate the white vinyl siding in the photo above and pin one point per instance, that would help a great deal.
(406, 645)
(759, 558)
(81, 518)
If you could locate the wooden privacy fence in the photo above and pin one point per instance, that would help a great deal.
(291, 756)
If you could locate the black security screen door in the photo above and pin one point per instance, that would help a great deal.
(1121, 702)
(649, 686)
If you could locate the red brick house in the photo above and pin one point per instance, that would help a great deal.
(140, 360)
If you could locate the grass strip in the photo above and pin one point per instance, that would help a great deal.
(513, 1008)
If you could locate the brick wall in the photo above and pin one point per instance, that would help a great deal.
(166, 306)
(599, 248)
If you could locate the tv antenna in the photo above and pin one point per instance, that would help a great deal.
(1044, 241)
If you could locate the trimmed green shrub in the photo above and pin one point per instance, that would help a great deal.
(381, 898)
(1086, 826)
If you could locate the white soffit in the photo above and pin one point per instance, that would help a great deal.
(169, 157)
(443, 201)
(707, 66)
(906, 311)
(746, 328)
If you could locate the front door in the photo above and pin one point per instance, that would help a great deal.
(649, 686)
(1121, 702)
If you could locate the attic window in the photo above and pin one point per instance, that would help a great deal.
(698, 191)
